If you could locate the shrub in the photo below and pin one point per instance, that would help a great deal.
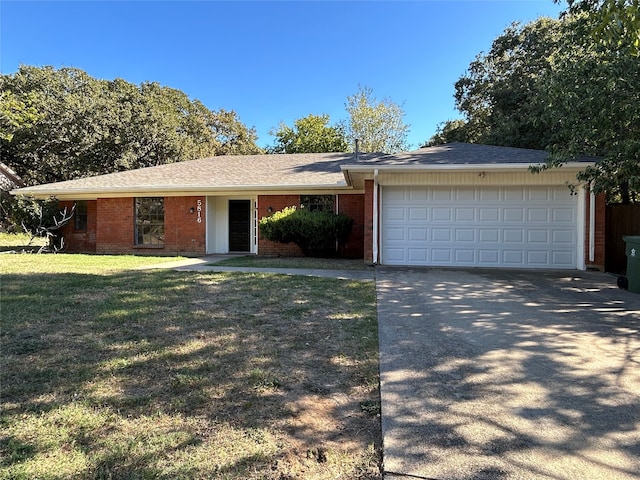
(316, 233)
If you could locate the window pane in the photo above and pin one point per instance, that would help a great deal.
(149, 221)
(81, 215)
(321, 203)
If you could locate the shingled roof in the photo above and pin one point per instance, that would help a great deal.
(282, 172)
(463, 154)
(216, 174)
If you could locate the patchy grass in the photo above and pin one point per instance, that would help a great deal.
(75, 263)
(115, 373)
(19, 242)
(295, 262)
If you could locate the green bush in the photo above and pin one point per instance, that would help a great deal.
(316, 233)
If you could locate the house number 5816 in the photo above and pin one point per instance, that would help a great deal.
(199, 210)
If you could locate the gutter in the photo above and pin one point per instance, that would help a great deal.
(454, 167)
(173, 190)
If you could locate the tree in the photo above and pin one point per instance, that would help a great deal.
(616, 22)
(448, 132)
(311, 134)
(62, 124)
(378, 125)
(548, 85)
(499, 94)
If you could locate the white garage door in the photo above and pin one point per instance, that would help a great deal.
(520, 227)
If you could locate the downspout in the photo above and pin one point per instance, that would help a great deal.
(375, 216)
(592, 224)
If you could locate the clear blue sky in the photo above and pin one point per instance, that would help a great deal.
(271, 62)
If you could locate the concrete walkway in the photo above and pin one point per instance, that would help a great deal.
(208, 264)
(508, 375)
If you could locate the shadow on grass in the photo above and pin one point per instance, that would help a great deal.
(147, 373)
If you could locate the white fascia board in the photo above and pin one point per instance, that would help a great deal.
(456, 167)
(173, 191)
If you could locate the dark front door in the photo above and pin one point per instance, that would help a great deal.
(239, 225)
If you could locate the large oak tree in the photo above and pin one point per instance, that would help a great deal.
(550, 85)
(62, 124)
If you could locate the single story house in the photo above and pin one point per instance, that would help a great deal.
(456, 204)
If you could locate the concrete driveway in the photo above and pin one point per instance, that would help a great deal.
(495, 374)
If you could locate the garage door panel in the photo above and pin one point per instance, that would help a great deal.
(567, 215)
(513, 236)
(441, 214)
(442, 256)
(442, 195)
(465, 256)
(514, 194)
(465, 214)
(489, 235)
(418, 194)
(538, 236)
(489, 195)
(489, 214)
(513, 257)
(513, 215)
(441, 235)
(418, 255)
(465, 194)
(465, 235)
(538, 215)
(395, 214)
(418, 234)
(395, 234)
(563, 236)
(481, 226)
(488, 257)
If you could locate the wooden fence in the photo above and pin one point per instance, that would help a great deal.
(621, 220)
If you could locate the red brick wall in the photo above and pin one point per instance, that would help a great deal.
(80, 241)
(353, 206)
(600, 232)
(348, 204)
(183, 234)
(368, 221)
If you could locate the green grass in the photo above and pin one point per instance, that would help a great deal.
(109, 372)
(20, 241)
(295, 262)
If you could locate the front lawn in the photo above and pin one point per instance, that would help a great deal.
(108, 372)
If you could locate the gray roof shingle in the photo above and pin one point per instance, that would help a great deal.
(282, 171)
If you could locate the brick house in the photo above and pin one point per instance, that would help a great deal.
(450, 205)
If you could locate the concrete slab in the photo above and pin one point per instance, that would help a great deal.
(499, 374)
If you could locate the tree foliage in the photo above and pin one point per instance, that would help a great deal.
(62, 124)
(549, 85)
(311, 134)
(377, 124)
(315, 232)
(616, 22)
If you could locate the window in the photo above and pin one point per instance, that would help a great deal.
(318, 203)
(149, 221)
(81, 215)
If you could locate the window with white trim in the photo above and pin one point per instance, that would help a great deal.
(149, 227)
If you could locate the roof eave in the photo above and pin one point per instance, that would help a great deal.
(165, 190)
(456, 167)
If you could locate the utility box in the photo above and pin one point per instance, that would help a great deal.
(633, 262)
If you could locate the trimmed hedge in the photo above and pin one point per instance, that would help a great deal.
(316, 233)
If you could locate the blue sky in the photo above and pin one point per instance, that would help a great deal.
(271, 62)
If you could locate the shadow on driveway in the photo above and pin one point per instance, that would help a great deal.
(494, 374)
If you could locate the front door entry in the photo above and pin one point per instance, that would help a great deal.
(239, 225)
